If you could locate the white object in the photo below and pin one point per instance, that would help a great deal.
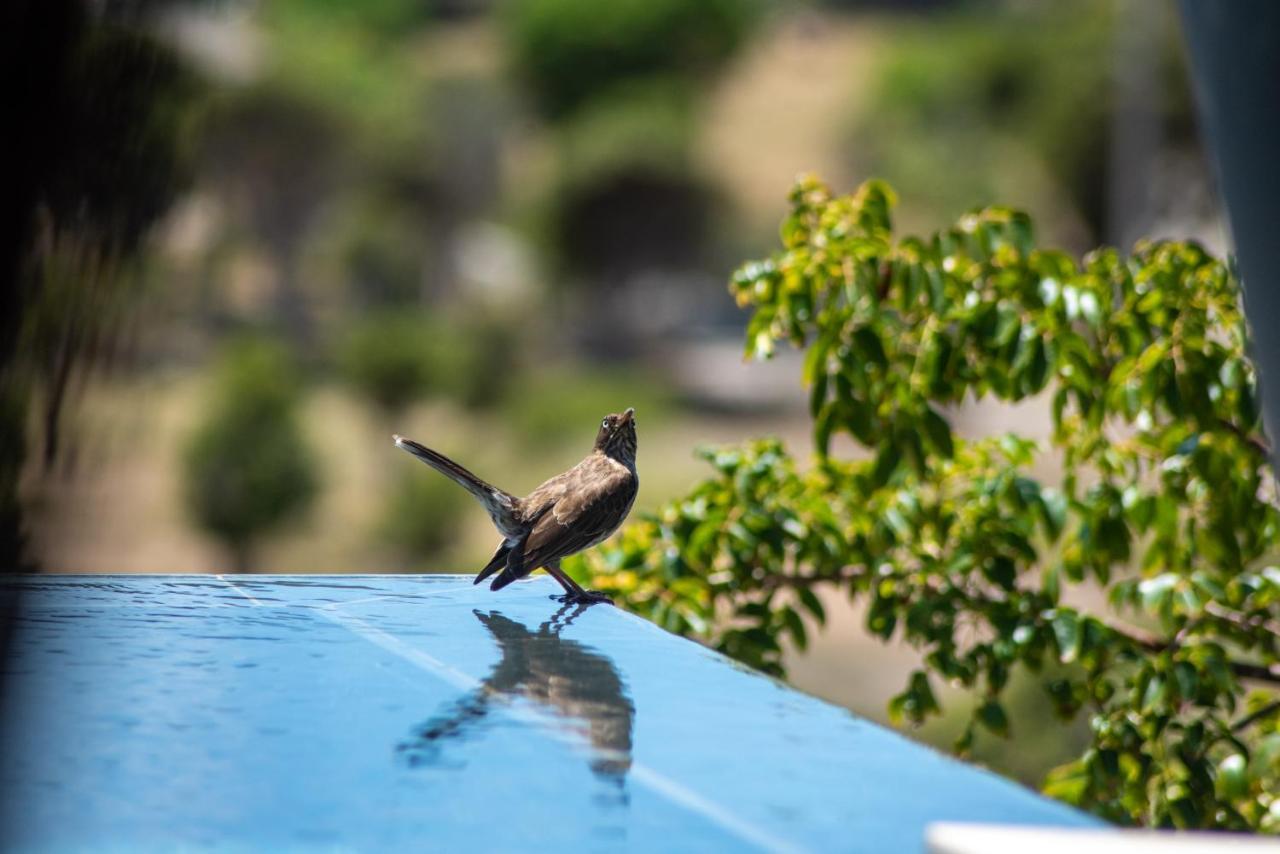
(948, 838)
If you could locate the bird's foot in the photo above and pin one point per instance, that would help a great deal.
(583, 597)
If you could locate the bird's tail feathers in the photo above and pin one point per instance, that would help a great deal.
(498, 503)
(495, 563)
(514, 570)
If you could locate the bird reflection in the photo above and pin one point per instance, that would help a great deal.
(564, 677)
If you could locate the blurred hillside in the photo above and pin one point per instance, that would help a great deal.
(487, 225)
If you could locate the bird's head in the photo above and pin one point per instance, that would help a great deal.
(617, 437)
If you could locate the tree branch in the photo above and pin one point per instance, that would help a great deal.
(1243, 622)
(1254, 716)
(886, 279)
(1257, 672)
(1142, 639)
(1242, 669)
(1259, 446)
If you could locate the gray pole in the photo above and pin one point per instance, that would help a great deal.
(1235, 61)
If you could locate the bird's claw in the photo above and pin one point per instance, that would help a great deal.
(583, 597)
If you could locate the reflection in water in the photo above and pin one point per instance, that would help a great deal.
(564, 677)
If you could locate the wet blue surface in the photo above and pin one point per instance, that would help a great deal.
(382, 713)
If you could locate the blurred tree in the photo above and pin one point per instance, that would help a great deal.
(382, 256)
(422, 515)
(101, 117)
(622, 82)
(248, 467)
(82, 299)
(375, 20)
(571, 52)
(334, 128)
(356, 67)
(486, 359)
(274, 156)
(1010, 96)
(390, 359)
(132, 99)
(395, 358)
(629, 198)
(1168, 501)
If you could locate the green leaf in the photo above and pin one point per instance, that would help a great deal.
(1157, 592)
(901, 527)
(857, 417)
(818, 394)
(1068, 783)
(1051, 582)
(881, 619)
(823, 427)
(870, 347)
(1002, 571)
(887, 459)
(1232, 780)
(762, 345)
(795, 625)
(1066, 632)
(812, 604)
(1052, 506)
(1156, 696)
(992, 716)
(939, 433)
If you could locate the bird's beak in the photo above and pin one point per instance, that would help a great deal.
(629, 415)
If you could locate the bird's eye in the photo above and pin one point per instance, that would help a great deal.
(605, 423)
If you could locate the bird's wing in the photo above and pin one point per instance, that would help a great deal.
(588, 509)
(549, 493)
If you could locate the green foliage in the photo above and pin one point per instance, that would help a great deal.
(390, 359)
(386, 20)
(571, 52)
(351, 64)
(398, 357)
(645, 128)
(1167, 501)
(379, 248)
(422, 515)
(248, 467)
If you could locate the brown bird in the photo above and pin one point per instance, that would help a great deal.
(570, 512)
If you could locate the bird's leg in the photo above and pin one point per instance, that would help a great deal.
(570, 586)
(573, 593)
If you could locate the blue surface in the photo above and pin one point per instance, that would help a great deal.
(382, 713)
